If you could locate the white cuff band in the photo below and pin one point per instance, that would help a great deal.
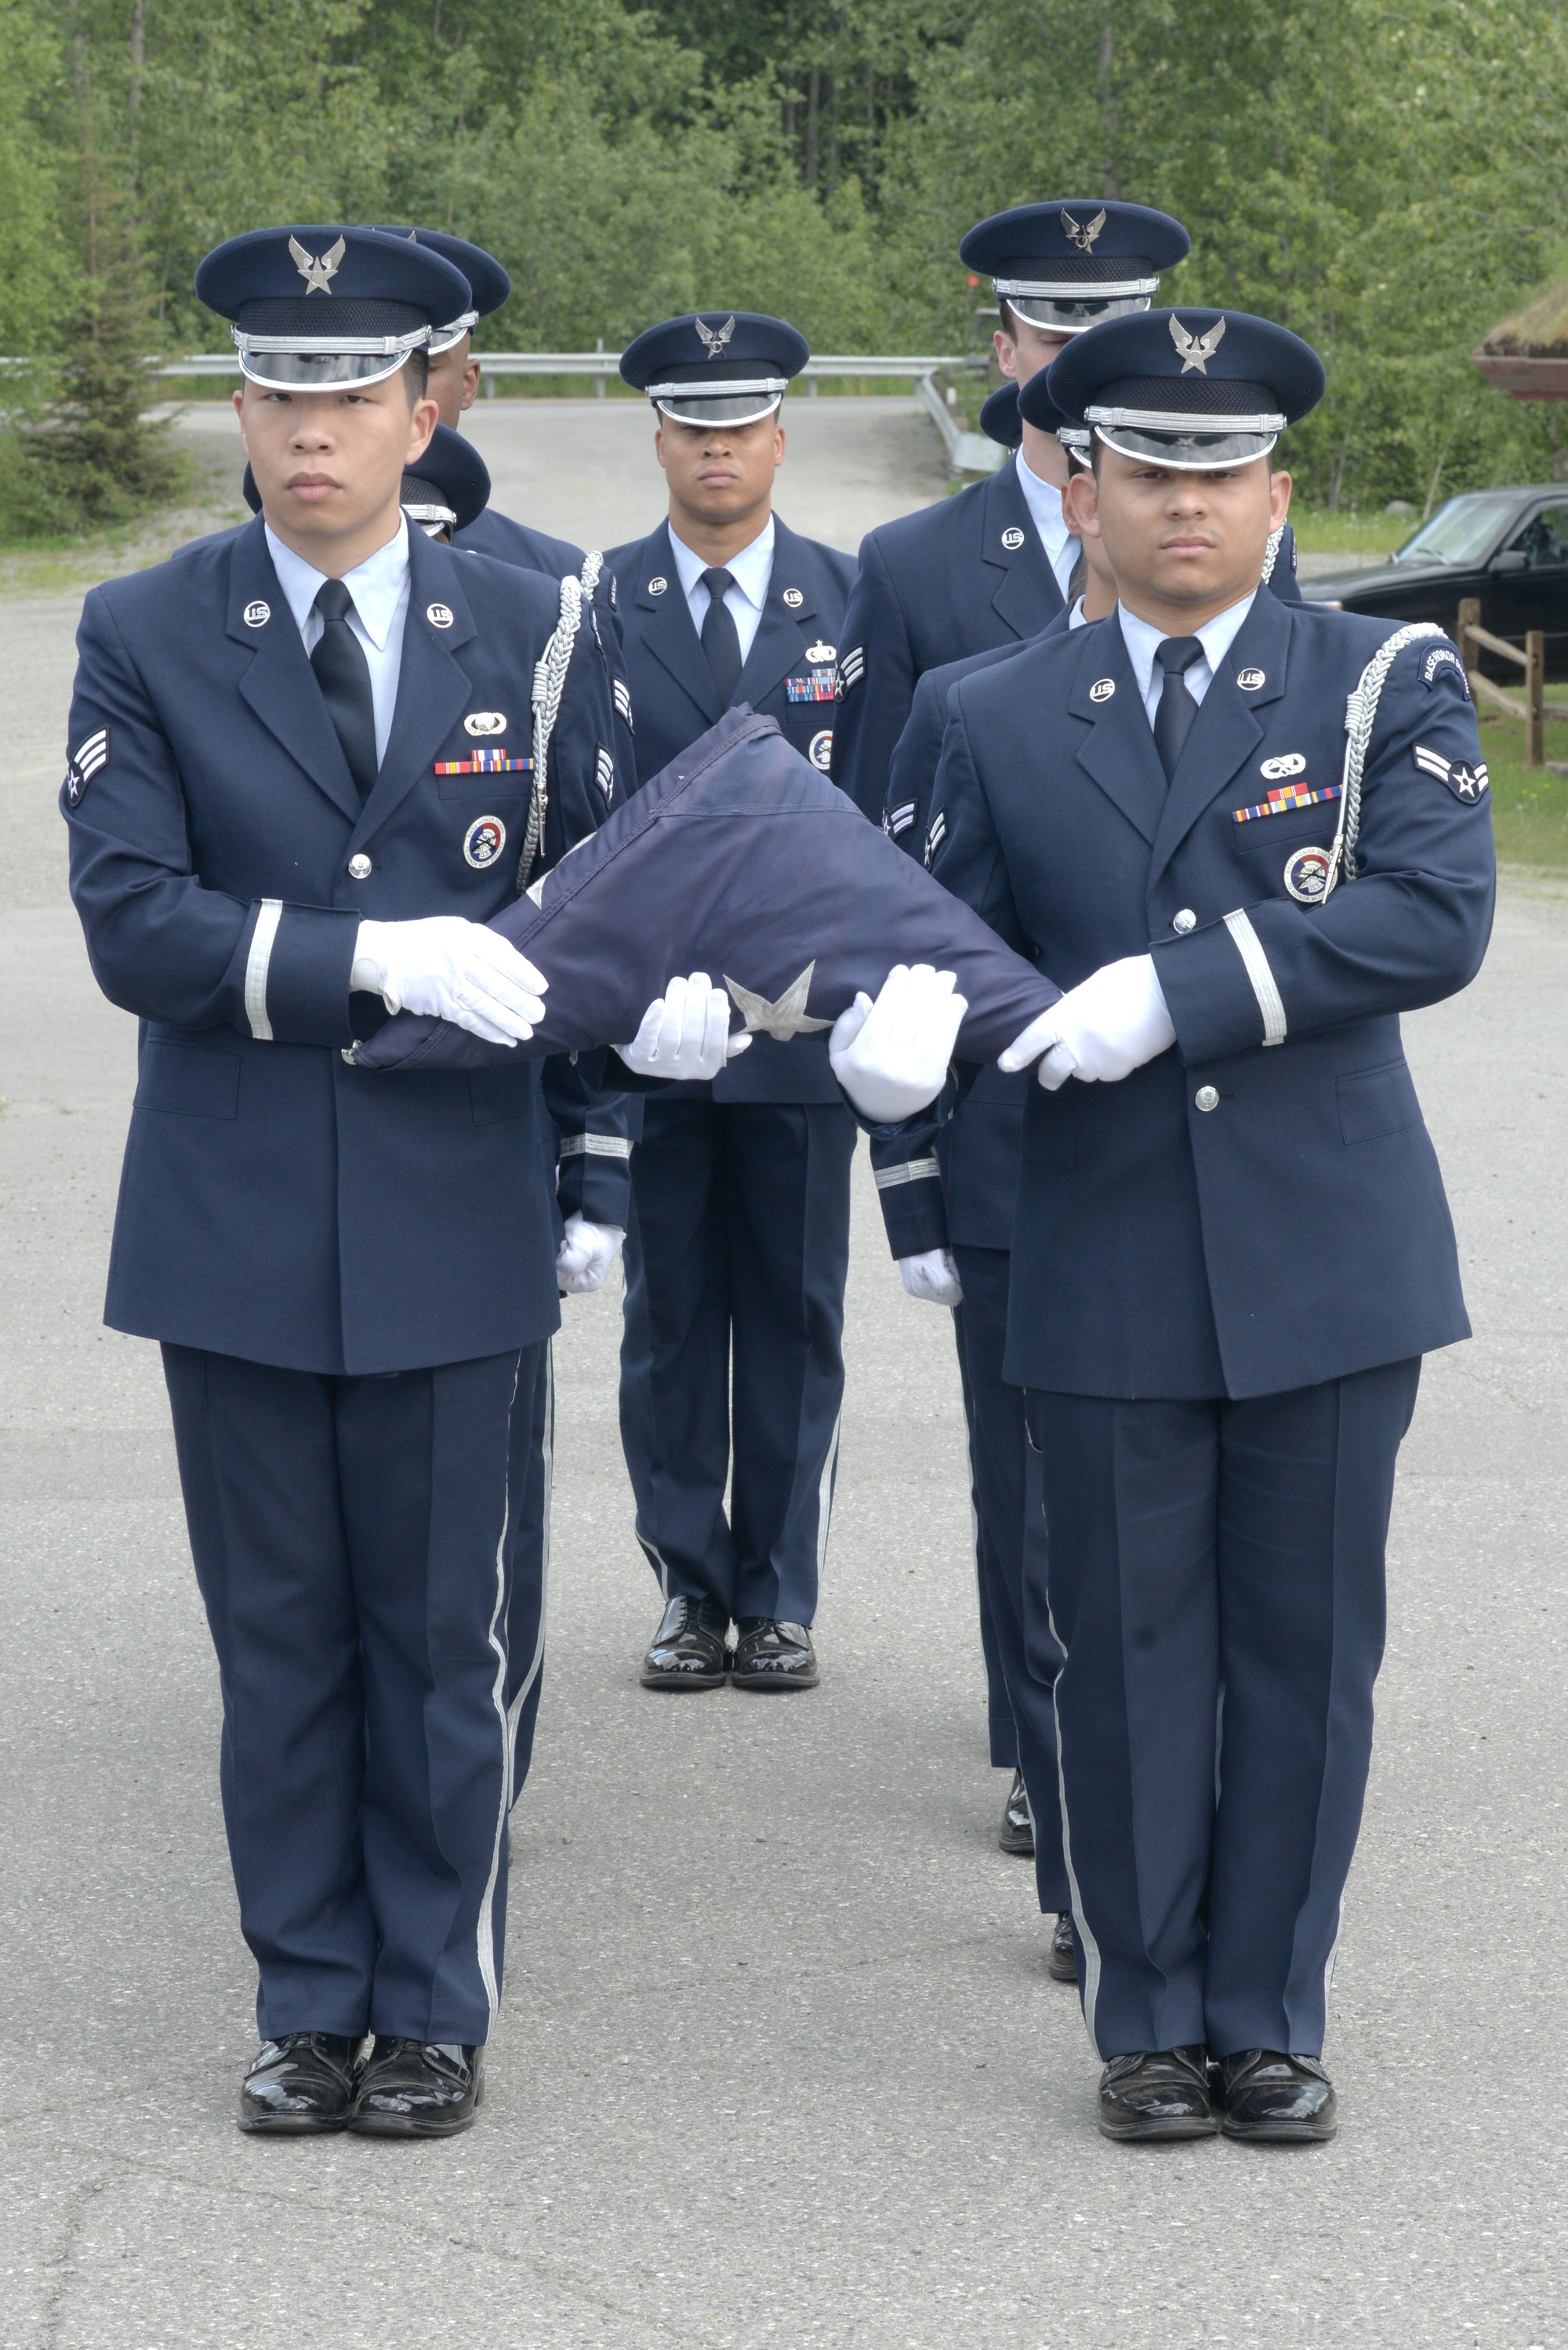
(1250, 947)
(595, 1146)
(913, 1171)
(256, 967)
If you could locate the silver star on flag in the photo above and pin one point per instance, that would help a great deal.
(786, 1018)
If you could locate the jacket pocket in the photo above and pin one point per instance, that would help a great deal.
(1374, 1102)
(188, 1080)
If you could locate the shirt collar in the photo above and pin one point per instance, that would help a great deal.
(751, 569)
(377, 585)
(1216, 637)
(1044, 500)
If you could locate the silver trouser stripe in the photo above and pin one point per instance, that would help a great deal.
(257, 965)
(913, 1171)
(485, 1936)
(595, 1146)
(1087, 1941)
(514, 1710)
(825, 1495)
(1250, 947)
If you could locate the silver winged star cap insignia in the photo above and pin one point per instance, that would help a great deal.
(715, 338)
(1196, 350)
(317, 272)
(786, 1018)
(1083, 238)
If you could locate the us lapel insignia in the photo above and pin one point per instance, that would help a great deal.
(439, 615)
(786, 1018)
(257, 615)
(793, 598)
(1013, 538)
(1102, 688)
(1249, 680)
(657, 587)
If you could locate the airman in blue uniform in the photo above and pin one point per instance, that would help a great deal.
(991, 564)
(1245, 834)
(732, 1367)
(308, 761)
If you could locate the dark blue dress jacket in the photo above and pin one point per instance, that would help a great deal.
(277, 1203)
(512, 542)
(1259, 1208)
(674, 700)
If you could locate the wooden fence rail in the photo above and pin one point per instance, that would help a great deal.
(1471, 637)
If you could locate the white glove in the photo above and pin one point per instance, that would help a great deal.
(457, 970)
(585, 1254)
(685, 1033)
(891, 1056)
(932, 1276)
(1103, 1029)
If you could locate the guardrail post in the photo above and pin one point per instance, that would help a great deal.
(1535, 698)
(599, 379)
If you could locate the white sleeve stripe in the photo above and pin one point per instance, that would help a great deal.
(595, 1146)
(1250, 947)
(257, 965)
(913, 1171)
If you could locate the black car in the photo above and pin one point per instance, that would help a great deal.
(1510, 547)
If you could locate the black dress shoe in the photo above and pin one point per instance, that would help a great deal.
(1275, 2100)
(688, 1651)
(1017, 1833)
(415, 2088)
(1064, 1960)
(1158, 2094)
(772, 1656)
(299, 2085)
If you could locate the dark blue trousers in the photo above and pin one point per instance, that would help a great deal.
(529, 1584)
(732, 1367)
(1200, 1549)
(356, 1543)
(1000, 1726)
(1012, 1552)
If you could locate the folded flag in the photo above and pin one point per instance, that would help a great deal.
(739, 859)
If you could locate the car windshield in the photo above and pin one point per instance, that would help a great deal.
(1461, 530)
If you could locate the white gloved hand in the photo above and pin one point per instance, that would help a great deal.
(456, 969)
(932, 1276)
(1103, 1029)
(585, 1254)
(891, 1056)
(685, 1033)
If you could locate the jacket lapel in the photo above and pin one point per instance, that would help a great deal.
(667, 629)
(1118, 749)
(433, 689)
(778, 645)
(1226, 731)
(1026, 597)
(279, 684)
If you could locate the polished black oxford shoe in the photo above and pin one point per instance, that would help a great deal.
(416, 2088)
(1275, 2100)
(1161, 2093)
(299, 2085)
(1063, 1962)
(688, 1651)
(1017, 1833)
(772, 1656)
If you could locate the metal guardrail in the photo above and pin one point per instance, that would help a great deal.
(968, 452)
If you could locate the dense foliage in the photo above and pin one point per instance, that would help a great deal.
(1387, 176)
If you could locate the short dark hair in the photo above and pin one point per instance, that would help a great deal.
(417, 368)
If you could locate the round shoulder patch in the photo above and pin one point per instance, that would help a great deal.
(439, 615)
(257, 615)
(1102, 688)
(820, 751)
(483, 841)
(1307, 875)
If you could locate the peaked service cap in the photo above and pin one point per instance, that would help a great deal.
(1069, 262)
(1193, 389)
(718, 367)
(999, 417)
(313, 307)
(448, 489)
(488, 281)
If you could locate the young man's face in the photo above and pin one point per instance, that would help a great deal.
(327, 462)
(1182, 537)
(1021, 350)
(453, 381)
(719, 473)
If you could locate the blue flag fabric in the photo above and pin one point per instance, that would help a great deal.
(740, 859)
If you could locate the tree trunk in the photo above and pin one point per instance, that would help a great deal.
(1106, 95)
(812, 94)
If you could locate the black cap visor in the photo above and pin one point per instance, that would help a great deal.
(1207, 444)
(317, 346)
(739, 401)
(443, 337)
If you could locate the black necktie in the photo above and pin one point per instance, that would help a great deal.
(344, 676)
(1173, 719)
(720, 639)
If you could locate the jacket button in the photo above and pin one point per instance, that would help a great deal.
(1184, 921)
(359, 867)
(1206, 1097)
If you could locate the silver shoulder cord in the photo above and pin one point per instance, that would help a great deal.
(1360, 717)
(549, 685)
(1271, 552)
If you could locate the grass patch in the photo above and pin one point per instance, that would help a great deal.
(1369, 536)
(1528, 805)
(61, 562)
